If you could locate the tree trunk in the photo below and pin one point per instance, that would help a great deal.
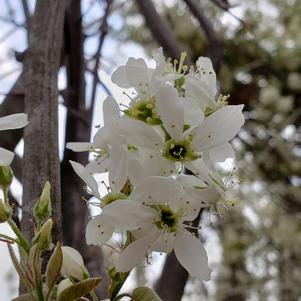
(41, 157)
(77, 130)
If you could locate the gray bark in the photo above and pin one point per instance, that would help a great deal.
(41, 158)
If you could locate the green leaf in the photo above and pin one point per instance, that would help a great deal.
(25, 297)
(54, 266)
(145, 294)
(79, 289)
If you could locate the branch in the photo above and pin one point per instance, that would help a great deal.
(160, 29)
(215, 46)
(78, 128)
(103, 30)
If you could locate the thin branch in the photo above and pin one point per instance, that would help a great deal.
(104, 30)
(215, 46)
(160, 29)
(26, 11)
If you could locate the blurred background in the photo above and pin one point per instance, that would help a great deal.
(255, 45)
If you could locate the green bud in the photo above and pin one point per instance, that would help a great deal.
(6, 177)
(5, 212)
(43, 237)
(42, 209)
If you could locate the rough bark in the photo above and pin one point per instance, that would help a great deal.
(77, 130)
(41, 158)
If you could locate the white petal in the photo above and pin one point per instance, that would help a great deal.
(99, 231)
(190, 181)
(197, 89)
(154, 190)
(73, 264)
(103, 137)
(221, 153)
(6, 157)
(171, 111)
(192, 255)
(140, 134)
(128, 215)
(134, 73)
(219, 127)
(15, 121)
(85, 175)
(110, 111)
(149, 163)
(193, 115)
(99, 165)
(133, 254)
(79, 146)
(119, 166)
(208, 75)
(165, 243)
(199, 169)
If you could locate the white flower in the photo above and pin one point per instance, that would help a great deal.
(185, 146)
(157, 210)
(111, 148)
(87, 177)
(73, 264)
(15, 121)
(134, 74)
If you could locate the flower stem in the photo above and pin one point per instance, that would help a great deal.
(11, 239)
(21, 239)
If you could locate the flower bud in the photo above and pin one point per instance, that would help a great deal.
(42, 209)
(73, 264)
(62, 286)
(5, 211)
(43, 237)
(6, 177)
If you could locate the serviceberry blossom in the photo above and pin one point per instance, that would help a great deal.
(15, 121)
(175, 122)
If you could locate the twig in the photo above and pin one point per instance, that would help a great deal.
(104, 30)
(214, 43)
(160, 29)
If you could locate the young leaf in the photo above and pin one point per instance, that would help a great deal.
(79, 289)
(19, 269)
(54, 266)
(145, 294)
(25, 297)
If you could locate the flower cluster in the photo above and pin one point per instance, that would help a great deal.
(160, 155)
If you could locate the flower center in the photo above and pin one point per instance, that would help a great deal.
(112, 197)
(145, 111)
(168, 219)
(179, 151)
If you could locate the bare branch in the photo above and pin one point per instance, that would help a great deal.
(215, 46)
(160, 29)
(103, 32)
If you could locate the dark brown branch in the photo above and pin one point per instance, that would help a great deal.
(77, 129)
(160, 29)
(103, 32)
(215, 46)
